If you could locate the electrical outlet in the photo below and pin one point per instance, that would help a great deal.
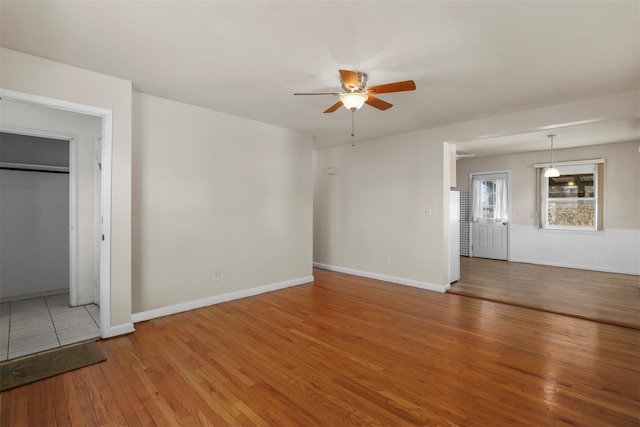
(388, 260)
(216, 275)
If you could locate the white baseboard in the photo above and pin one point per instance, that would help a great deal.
(385, 278)
(86, 301)
(113, 331)
(217, 299)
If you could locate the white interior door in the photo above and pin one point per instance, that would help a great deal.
(489, 216)
(490, 240)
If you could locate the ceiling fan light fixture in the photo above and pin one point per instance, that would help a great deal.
(354, 100)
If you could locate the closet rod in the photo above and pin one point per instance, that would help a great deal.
(33, 168)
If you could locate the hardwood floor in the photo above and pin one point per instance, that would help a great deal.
(604, 297)
(349, 351)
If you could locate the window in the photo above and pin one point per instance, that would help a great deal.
(489, 198)
(572, 200)
(488, 201)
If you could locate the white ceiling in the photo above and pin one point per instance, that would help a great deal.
(579, 135)
(469, 59)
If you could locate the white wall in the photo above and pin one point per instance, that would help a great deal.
(616, 249)
(213, 192)
(374, 206)
(38, 76)
(249, 216)
(86, 129)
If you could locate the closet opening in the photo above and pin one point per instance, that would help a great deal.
(84, 167)
(37, 224)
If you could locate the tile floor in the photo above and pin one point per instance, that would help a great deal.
(33, 325)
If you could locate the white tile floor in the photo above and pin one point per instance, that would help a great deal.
(33, 325)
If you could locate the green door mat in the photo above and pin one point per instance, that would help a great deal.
(43, 365)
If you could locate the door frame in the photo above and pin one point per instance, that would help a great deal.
(107, 135)
(97, 203)
(480, 174)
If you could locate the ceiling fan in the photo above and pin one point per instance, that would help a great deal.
(357, 94)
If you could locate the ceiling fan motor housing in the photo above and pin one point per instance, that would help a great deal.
(361, 83)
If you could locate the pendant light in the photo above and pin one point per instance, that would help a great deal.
(551, 172)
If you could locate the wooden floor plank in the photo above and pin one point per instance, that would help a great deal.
(350, 351)
(56, 403)
(15, 407)
(594, 295)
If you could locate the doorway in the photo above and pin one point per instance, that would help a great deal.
(46, 206)
(105, 119)
(489, 215)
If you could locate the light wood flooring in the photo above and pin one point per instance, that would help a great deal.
(349, 351)
(605, 297)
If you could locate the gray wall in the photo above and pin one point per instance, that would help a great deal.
(34, 217)
(28, 149)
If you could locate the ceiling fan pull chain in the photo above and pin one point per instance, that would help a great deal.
(353, 126)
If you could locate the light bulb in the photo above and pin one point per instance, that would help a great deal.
(551, 172)
(353, 101)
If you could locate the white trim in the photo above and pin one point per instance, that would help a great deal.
(385, 278)
(107, 134)
(36, 133)
(579, 168)
(86, 301)
(217, 299)
(12, 95)
(125, 328)
(73, 225)
(105, 252)
(97, 214)
(568, 163)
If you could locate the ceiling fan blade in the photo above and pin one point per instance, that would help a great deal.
(349, 79)
(318, 93)
(334, 107)
(378, 103)
(393, 87)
